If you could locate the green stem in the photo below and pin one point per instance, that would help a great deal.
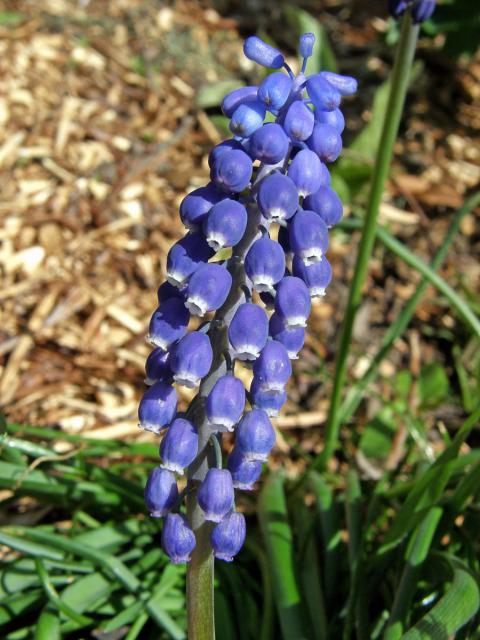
(398, 90)
(354, 396)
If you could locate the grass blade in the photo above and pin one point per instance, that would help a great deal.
(48, 626)
(278, 539)
(453, 611)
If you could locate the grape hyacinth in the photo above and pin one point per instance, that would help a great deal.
(270, 205)
(421, 9)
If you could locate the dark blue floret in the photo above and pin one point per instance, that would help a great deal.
(178, 540)
(228, 536)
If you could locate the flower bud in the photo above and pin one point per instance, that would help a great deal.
(298, 121)
(225, 403)
(208, 289)
(307, 40)
(323, 95)
(232, 171)
(191, 359)
(277, 197)
(265, 264)
(397, 7)
(292, 339)
(185, 257)
(255, 436)
(196, 205)
(228, 536)
(292, 302)
(272, 368)
(179, 446)
(422, 10)
(333, 118)
(161, 492)
(225, 224)
(262, 53)
(269, 143)
(308, 236)
(168, 323)
(248, 331)
(166, 291)
(306, 172)
(316, 276)
(269, 401)
(274, 90)
(221, 147)
(244, 472)
(157, 367)
(327, 204)
(326, 142)
(178, 540)
(157, 407)
(215, 495)
(345, 85)
(237, 97)
(247, 118)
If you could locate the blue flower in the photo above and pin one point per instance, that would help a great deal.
(178, 540)
(228, 536)
(161, 492)
(215, 495)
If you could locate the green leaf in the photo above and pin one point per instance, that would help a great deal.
(30, 548)
(452, 611)
(376, 440)
(87, 591)
(432, 385)
(278, 539)
(11, 18)
(48, 626)
(211, 95)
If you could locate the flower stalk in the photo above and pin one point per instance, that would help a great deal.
(398, 90)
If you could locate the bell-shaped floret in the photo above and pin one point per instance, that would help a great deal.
(269, 143)
(316, 276)
(308, 236)
(255, 435)
(274, 90)
(292, 302)
(333, 118)
(306, 172)
(215, 495)
(292, 339)
(232, 171)
(269, 401)
(179, 446)
(262, 53)
(208, 289)
(178, 540)
(157, 407)
(185, 257)
(161, 492)
(265, 264)
(326, 142)
(345, 85)
(244, 472)
(168, 323)
(220, 148)
(307, 40)
(397, 7)
(422, 10)
(298, 121)
(277, 197)
(228, 536)
(248, 331)
(272, 368)
(247, 118)
(327, 204)
(157, 367)
(237, 97)
(323, 95)
(225, 224)
(167, 290)
(191, 359)
(225, 403)
(196, 205)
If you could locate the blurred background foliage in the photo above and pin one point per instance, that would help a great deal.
(108, 111)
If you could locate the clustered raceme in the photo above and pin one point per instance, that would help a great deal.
(421, 9)
(271, 202)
